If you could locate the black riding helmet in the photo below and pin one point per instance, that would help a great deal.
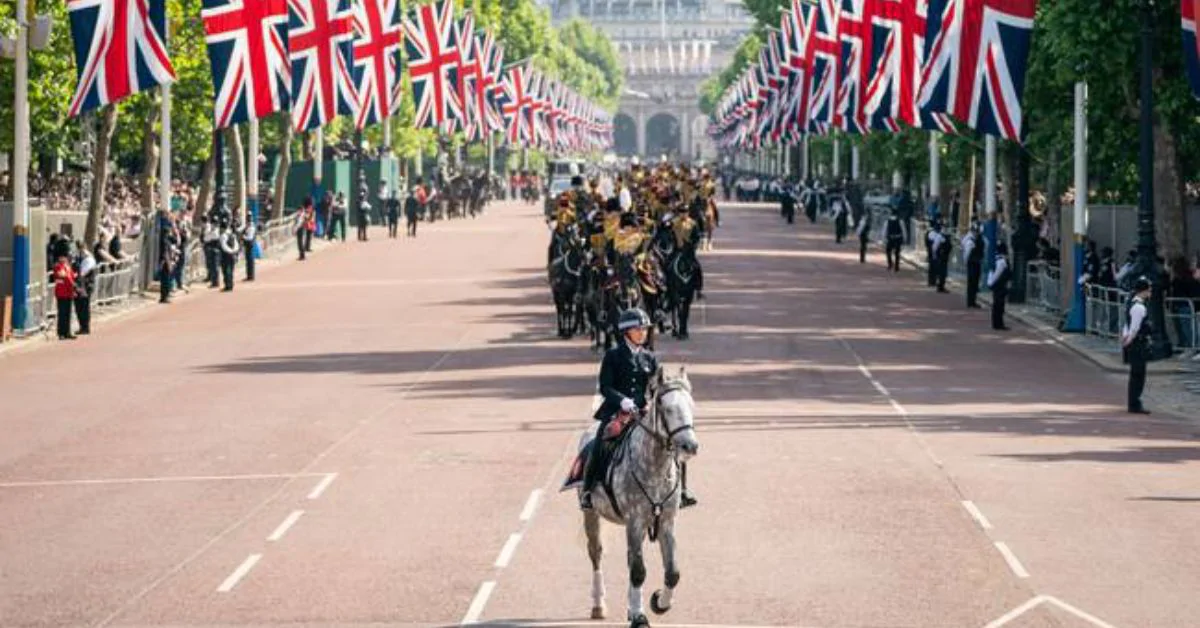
(632, 319)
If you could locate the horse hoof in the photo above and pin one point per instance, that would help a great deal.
(639, 621)
(598, 612)
(654, 606)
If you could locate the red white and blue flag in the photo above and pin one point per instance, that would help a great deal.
(119, 50)
(248, 50)
(433, 64)
(491, 54)
(824, 52)
(378, 35)
(321, 35)
(469, 70)
(854, 56)
(1191, 45)
(515, 104)
(976, 55)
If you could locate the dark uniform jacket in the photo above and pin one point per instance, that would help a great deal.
(624, 373)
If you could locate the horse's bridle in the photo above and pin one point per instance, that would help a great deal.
(666, 441)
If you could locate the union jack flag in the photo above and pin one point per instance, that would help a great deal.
(823, 51)
(854, 35)
(119, 50)
(321, 35)
(798, 18)
(883, 95)
(377, 40)
(248, 50)
(1191, 46)
(976, 54)
(515, 105)
(469, 70)
(492, 56)
(433, 64)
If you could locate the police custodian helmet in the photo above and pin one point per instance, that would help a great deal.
(631, 319)
(1141, 284)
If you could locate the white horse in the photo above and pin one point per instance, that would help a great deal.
(645, 479)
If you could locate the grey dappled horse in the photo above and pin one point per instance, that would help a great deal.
(646, 486)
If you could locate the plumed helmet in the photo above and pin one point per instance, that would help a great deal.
(631, 319)
(1141, 283)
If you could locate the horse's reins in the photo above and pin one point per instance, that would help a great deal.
(666, 442)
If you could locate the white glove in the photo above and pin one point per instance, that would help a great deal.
(627, 405)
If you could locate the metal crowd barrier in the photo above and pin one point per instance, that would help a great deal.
(1104, 311)
(1042, 286)
(115, 281)
(277, 234)
(1182, 323)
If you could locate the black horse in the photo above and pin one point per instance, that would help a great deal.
(567, 281)
(683, 281)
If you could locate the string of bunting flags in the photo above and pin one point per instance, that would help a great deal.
(859, 66)
(319, 59)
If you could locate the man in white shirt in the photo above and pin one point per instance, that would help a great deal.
(1135, 340)
(998, 281)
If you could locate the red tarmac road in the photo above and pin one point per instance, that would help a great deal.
(375, 437)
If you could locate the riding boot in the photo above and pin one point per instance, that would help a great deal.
(591, 470)
(686, 498)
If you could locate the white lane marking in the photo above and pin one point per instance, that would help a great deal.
(531, 504)
(322, 485)
(478, 603)
(286, 525)
(239, 573)
(538, 624)
(977, 514)
(157, 480)
(1013, 563)
(270, 499)
(1047, 599)
(506, 552)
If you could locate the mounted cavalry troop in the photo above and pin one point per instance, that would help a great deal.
(629, 240)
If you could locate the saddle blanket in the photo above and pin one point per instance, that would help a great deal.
(612, 432)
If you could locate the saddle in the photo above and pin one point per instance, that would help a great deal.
(615, 433)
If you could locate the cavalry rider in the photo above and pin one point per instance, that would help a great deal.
(564, 220)
(625, 375)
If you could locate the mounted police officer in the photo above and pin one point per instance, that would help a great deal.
(625, 374)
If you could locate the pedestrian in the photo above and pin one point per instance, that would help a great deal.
(787, 204)
(363, 217)
(931, 240)
(941, 248)
(210, 236)
(413, 207)
(64, 295)
(178, 281)
(325, 216)
(393, 216)
(168, 246)
(339, 217)
(300, 227)
(864, 235)
(230, 246)
(85, 285)
(973, 257)
(893, 239)
(840, 217)
(249, 234)
(1136, 342)
(998, 281)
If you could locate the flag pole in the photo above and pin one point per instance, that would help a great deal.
(20, 208)
(1076, 321)
(252, 176)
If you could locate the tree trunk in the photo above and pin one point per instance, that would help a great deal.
(1054, 200)
(150, 153)
(237, 155)
(108, 124)
(1170, 214)
(285, 163)
(306, 146)
(204, 194)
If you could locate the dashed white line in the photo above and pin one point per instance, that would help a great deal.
(239, 573)
(156, 480)
(322, 485)
(478, 603)
(977, 514)
(1013, 563)
(286, 525)
(531, 504)
(506, 552)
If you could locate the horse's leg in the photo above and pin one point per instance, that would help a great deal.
(660, 600)
(591, 525)
(685, 313)
(635, 531)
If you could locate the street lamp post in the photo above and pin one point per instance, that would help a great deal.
(1147, 264)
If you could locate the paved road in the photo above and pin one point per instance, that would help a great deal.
(375, 437)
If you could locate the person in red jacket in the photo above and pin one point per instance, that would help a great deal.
(64, 293)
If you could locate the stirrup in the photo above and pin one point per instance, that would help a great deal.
(687, 500)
